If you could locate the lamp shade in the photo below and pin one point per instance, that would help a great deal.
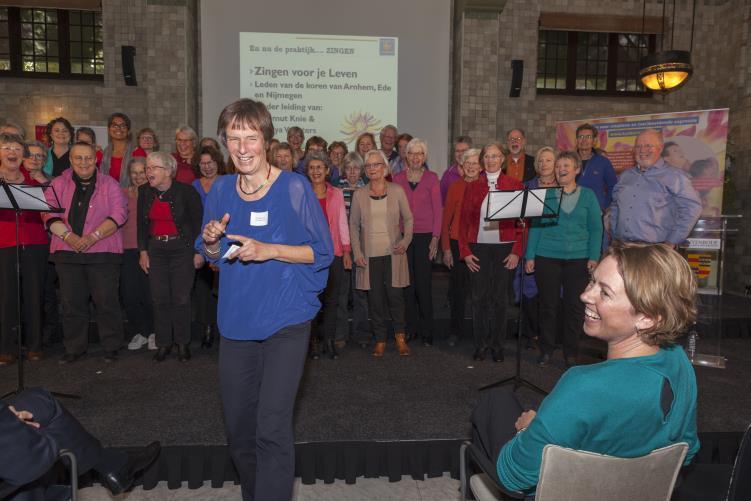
(666, 71)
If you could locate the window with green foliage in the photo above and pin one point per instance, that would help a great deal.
(584, 63)
(51, 43)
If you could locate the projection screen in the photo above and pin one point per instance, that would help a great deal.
(351, 66)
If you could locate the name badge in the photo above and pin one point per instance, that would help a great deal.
(259, 218)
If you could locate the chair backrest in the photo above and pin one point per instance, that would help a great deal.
(567, 474)
(740, 479)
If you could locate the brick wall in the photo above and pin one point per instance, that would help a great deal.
(162, 31)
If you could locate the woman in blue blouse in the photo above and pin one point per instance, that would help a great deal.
(562, 253)
(265, 230)
(208, 166)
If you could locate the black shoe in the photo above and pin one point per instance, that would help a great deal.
(479, 354)
(331, 350)
(110, 356)
(122, 479)
(497, 356)
(162, 353)
(183, 352)
(543, 360)
(208, 337)
(69, 358)
(427, 340)
(453, 339)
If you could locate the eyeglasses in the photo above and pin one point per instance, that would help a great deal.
(119, 126)
(585, 136)
(515, 139)
(416, 153)
(147, 138)
(207, 164)
(79, 158)
(492, 157)
(469, 164)
(9, 148)
(152, 167)
(374, 165)
(645, 147)
(37, 156)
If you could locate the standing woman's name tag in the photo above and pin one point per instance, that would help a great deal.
(259, 218)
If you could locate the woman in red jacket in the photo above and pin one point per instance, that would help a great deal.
(491, 250)
(33, 260)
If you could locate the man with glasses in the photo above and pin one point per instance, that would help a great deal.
(519, 165)
(653, 202)
(453, 173)
(597, 171)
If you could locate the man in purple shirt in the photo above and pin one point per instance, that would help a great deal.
(462, 144)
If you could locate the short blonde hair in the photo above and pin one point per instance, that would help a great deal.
(659, 283)
(539, 154)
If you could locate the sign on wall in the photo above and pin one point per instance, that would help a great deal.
(695, 142)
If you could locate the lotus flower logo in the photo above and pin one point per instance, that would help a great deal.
(357, 123)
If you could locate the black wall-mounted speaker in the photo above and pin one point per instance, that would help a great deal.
(129, 64)
(517, 75)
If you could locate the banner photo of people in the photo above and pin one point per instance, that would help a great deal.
(695, 142)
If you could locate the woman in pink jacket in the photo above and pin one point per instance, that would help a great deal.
(87, 249)
(332, 202)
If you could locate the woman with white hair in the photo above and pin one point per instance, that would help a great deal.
(169, 220)
(423, 190)
(186, 144)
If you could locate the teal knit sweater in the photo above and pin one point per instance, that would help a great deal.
(575, 235)
(610, 408)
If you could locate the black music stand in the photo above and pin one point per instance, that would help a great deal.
(24, 198)
(522, 204)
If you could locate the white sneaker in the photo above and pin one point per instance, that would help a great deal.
(137, 342)
(152, 341)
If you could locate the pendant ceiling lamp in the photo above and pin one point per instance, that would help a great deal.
(666, 71)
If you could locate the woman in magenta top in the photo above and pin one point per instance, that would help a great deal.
(87, 250)
(119, 151)
(134, 283)
(332, 203)
(34, 251)
(423, 191)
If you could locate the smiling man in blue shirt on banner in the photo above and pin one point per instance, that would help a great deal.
(653, 202)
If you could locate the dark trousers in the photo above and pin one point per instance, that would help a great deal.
(171, 274)
(418, 294)
(51, 304)
(458, 289)
(258, 382)
(33, 260)
(330, 302)
(384, 300)
(204, 298)
(490, 287)
(360, 330)
(61, 428)
(134, 288)
(77, 282)
(552, 275)
(493, 421)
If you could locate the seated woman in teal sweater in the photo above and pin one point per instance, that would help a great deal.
(562, 252)
(643, 396)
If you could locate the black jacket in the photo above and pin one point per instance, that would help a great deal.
(185, 205)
